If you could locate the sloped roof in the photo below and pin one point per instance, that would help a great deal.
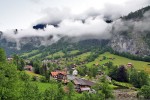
(58, 72)
(71, 77)
(83, 82)
(54, 73)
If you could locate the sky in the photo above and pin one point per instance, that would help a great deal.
(22, 14)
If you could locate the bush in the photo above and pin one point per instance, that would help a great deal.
(145, 92)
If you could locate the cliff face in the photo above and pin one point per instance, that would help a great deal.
(132, 33)
(24, 44)
(134, 44)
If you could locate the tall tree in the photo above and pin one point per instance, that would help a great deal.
(122, 74)
(138, 79)
(2, 55)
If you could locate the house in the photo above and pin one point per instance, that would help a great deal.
(59, 75)
(82, 85)
(9, 59)
(28, 68)
(129, 65)
(75, 72)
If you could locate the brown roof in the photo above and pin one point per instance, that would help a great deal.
(58, 72)
(83, 82)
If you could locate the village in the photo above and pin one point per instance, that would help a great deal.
(71, 74)
(63, 76)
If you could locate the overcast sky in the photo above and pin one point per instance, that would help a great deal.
(22, 14)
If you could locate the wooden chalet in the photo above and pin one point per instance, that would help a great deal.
(82, 85)
(59, 75)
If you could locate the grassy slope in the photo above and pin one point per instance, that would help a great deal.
(42, 86)
(139, 65)
(82, 56)
(32, 74)
(29, 53)
(60, 53)
(73, 60)
(38, 55)
(73, 52)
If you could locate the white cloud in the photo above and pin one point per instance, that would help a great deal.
(88, 24)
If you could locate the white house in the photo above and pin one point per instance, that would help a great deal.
(75, 72)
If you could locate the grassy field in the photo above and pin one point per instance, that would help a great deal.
(35, 56)
(32, 74)
(60, 53)
(82, 57)
(73, 60)
(73, 52)
(29, 53)
(139, 65)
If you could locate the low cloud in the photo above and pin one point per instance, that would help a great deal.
(87, 25)
(36, 1)
(94, 27)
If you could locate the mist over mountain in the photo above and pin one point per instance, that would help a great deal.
(126, 33)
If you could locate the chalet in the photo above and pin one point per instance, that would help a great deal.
(82, 85)
(28, 68)
(59, 75)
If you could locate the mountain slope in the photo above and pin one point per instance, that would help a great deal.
(131, 33)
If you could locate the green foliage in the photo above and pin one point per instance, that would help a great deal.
(91, 72)
(107, 90)
(104, 89)
(24, 77)
(19, 62)
(9, 82)
(122, 84)
(2, 55)
(138, 14)
(87, 96)
(70, 88)
(119, 74)
(145, 91)
(138, 79)
(122, 75)
(30, 91)
(55, 92)
(37, 66)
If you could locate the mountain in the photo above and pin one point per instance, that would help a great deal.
(134, 36)
(130, 34)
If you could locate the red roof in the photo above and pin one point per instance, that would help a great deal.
(58, 72)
